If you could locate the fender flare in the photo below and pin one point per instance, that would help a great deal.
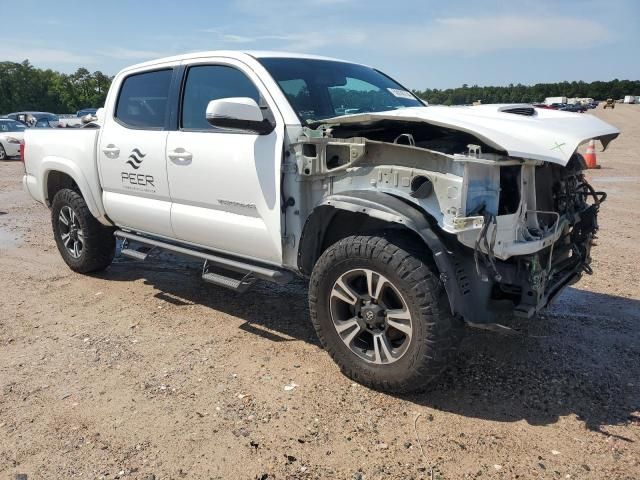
(63, 165)
(389, 208)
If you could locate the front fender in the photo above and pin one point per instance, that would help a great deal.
(389, 208)
(66, 166)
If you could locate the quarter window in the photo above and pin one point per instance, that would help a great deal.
(143, 100)
(211, 82)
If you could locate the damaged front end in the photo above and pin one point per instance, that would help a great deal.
(514, 230)
(539, 221)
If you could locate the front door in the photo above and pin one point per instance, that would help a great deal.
(225, 186)
(131, 154)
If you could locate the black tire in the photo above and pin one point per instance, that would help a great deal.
(3, 153)
(436, 333)
(98, 242)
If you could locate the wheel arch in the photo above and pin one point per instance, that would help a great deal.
(56, 181)
(60, 173)
(344, 214)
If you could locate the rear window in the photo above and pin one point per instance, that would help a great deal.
(143, 100)
(10, 126)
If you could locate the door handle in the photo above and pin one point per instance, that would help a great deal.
(111, 151)
(180, 155)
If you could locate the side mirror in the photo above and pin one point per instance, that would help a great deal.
(238, 113)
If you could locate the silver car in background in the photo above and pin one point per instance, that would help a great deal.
(36, 119)
(11, 136)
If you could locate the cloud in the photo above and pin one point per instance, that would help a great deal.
(491, 34)
(53, 22)
(468, 35)
(299, 42)
(237, 38)
(132, 54)
(42, 56)
(280, 6)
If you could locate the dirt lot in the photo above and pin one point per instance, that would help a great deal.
(145, 372)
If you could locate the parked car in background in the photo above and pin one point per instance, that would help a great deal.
(610, 103)
(11, 136)
(86, 111)
(543, 105)
(36, 119)
(575, 107)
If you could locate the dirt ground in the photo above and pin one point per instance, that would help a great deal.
(145, 372)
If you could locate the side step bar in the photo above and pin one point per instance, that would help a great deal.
(131, 253)
(236, 265)
(240, 285)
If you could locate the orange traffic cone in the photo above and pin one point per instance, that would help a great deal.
(590, 156)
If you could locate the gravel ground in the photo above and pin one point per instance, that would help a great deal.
(145, 372)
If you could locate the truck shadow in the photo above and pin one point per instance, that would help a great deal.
(262, 307)
(581, 358)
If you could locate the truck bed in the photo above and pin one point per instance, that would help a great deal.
(70, 151)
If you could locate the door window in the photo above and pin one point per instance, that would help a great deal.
(211, 82)
(143, 100)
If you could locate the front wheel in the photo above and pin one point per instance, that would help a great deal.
(3, 153)
(84, 243)
(380, 311)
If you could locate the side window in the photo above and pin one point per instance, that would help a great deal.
(143, 99)
(211, 82)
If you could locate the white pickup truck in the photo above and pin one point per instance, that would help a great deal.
(410, 220)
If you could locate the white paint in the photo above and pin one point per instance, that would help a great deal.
(549, 135)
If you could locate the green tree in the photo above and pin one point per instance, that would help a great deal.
(530, 93)
(24, 87)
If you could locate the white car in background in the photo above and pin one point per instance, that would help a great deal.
(11, 136)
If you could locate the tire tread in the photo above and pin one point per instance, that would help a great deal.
(99, 246)
(408, 259)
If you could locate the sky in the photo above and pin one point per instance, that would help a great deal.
(421, 43)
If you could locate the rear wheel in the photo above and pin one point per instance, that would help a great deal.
(381, 313)
(84, 243)
(3, 153)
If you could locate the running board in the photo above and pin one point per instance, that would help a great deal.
(237, 285)
(494, 327)
(236, 265)
(134, 254)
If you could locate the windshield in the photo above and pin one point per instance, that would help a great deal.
(321, 89)
(11, 126)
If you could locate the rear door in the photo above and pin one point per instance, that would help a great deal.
(131, 153)
(225, 185)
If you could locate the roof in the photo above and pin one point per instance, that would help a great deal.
(233, 54)
(30, 112)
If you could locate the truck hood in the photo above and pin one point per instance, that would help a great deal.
(520, 130)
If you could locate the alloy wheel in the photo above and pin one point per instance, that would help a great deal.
(371, 316)
(71, 232)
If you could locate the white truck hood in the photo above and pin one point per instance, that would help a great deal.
(547, 135)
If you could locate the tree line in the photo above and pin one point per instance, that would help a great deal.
(519, 93)
(25, 87)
